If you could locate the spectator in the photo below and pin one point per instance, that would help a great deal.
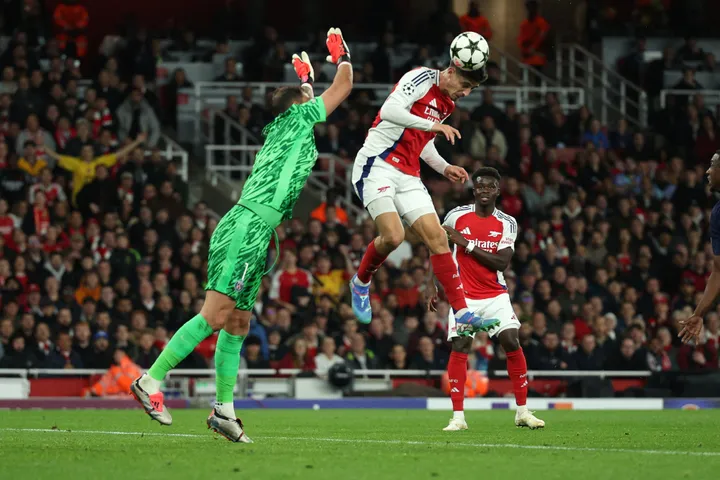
(398, 358)
(84, 168)
(589, 356)
(297, 357)
(33, 133)
(548, 355)
(699, 357)
(359, 357)
(474, 21)
(531, 39)
(64, 356)
(253, 354)
(596, 136)
(146, 353)
(287, 277)
(326, 356)
(136, 118)
(485, 137)
(628, 357)
(230, 74)
(17, 355)
(428, 358)
(29, 162)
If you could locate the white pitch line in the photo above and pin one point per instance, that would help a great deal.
(388, 442)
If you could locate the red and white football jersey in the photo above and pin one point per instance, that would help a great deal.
(419, 93)
(493, 233)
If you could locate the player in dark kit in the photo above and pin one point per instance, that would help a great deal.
(693, 326)
(484, 243)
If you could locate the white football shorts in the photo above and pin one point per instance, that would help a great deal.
(499, 307)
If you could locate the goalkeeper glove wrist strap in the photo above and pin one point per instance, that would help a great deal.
(345, 59)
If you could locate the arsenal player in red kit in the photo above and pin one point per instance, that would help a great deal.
(484, 243)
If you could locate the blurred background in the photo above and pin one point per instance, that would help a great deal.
(128, 129)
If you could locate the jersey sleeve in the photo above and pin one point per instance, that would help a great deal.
(312, 112)
(715, 230)
(509, 234)
(413, 86)
(452, 217)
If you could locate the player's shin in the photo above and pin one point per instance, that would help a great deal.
(447, 274)
(517, 370)
(369, 264)
(457, 375)
(180, 346)
(227, 364)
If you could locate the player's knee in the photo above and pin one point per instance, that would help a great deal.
(215, 317)
(462, 344)
(238, 323)
(510, 342)
(392, 239)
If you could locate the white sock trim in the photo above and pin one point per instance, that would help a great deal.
(149, 384)
(460, 415)
(359, 282)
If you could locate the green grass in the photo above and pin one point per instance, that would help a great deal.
(361, 444)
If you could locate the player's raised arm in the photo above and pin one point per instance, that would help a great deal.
(343, 81)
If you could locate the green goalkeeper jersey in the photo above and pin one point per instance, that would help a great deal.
(284, 163)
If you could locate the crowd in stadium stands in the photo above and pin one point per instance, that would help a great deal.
(99, 250)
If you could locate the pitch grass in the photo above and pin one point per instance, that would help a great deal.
(360, 444)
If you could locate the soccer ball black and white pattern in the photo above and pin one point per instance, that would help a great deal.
(469, 51)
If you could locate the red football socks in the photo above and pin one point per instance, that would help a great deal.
(447, 274)
(517, 369)
(457, 375)
(370, 262)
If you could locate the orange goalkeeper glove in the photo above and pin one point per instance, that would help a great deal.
(303, 68)
(337, 47)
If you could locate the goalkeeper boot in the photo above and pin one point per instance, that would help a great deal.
(152, 403)
(525, 418)
(230, 428)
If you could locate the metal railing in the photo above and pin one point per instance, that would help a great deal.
(711, 97)
(525, 75)
(337, 173)
(173, 151)
(608, 91)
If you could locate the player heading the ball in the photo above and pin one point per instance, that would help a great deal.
(386, 178)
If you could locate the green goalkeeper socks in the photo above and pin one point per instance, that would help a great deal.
(227, 364)
(180, 346)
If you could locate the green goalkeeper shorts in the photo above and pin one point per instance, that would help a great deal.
(238, 256)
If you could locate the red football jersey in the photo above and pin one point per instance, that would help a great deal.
(493, 233)
(418, 92)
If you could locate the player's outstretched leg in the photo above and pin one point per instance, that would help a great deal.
(446, 271)
(391, 236)
(517, 370)
(146, 389)
(457, 376)
(222, 419)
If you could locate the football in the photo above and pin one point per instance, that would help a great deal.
(469, 51)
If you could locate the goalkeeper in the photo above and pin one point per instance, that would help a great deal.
(239, 245)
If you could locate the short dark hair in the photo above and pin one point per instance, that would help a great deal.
(486, 172)
(284, 97)
(479, 76)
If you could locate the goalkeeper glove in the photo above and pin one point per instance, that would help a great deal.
(337, 47)
(303, 68)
